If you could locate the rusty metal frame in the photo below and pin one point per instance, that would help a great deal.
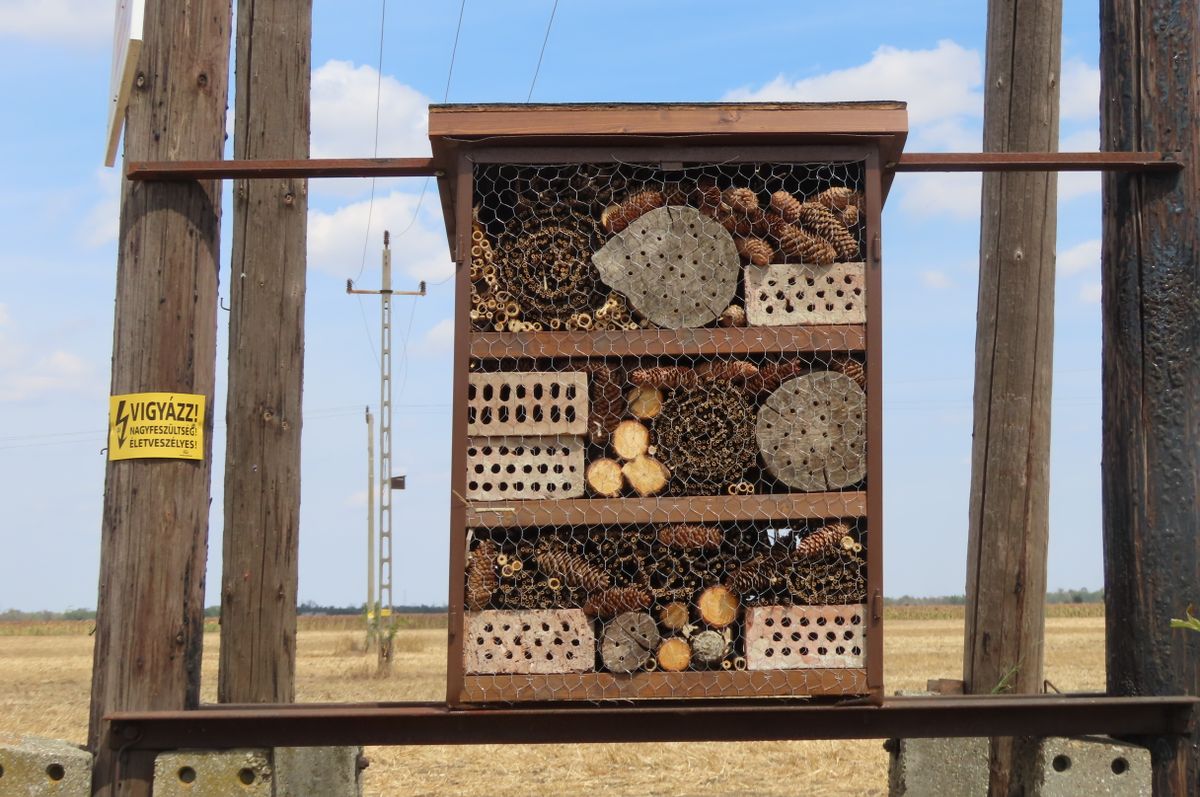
(300, 725)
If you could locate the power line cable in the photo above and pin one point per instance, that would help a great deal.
(542, 54)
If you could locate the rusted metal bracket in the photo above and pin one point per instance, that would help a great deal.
(428, 167)
(300, 725)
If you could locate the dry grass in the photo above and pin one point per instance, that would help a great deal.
(45, 679)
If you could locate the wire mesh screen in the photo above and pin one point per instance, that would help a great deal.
(666, 432)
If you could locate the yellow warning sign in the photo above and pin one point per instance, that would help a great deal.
(156, 426)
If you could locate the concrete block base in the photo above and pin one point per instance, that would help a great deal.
(1092, 766)
(34, 767)
(938, 767)
(282, 772)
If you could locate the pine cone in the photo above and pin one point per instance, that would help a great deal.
(741, 200)
(798, 245)
(691, 536)
(839, 197)
(481, 576)
(753, 576)
(821, 221)
(755, 251)
(732, 316)
(575, 571)
(850, 216)
(617, 218)
(707, 197)
(676, 194)
(773, 374)
(851, 368)
(728, 370)
(665, 377)
(617, 600)
(821, 541)
(786, 205)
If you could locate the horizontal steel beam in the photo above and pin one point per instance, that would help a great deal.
(259, 169)
(426, 167)
(1036, 162)
(300, 725)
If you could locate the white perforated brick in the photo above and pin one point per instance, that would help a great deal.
(542, 641)
(503, 468)
(804, 637)
(795, 293)
(527, 403)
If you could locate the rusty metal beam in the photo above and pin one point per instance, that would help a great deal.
(300, 725)
(427, 167)
(1036, 162)
(258, 169)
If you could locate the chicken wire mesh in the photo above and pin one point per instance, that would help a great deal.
(627, 413)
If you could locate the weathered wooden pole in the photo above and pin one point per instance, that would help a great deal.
(1010, 458)
(266, 358)
(1151, 363)
(154, 532)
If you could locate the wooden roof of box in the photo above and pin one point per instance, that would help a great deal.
(454, 128)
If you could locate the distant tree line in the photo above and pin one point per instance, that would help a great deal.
(1081, 595)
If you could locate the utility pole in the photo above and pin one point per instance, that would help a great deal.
(1150, 313)
(372, 604)
(154, 531)
(1010, 483)
(385, 622)
(266, 358)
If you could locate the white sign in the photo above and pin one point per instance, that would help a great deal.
(127, 48)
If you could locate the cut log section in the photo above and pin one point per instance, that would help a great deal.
(674, 616)
(709, 647)
(718, 606)
(674, 655)
(678, 267)
(628, 642)
(605, 478)
(812, 432)
(631, 439)
(644, 402)
(646, 475)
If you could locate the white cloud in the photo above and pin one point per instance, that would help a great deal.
(335, 239)
(439, 339)
(1081, 257)
(102, 223)
(343, 114)
(936, 279)
(956, 195)
(1090, 293)
(22, 378)
(51, 21)
(941, 87)
(1079, 92)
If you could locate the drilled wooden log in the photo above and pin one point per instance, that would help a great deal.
(628, 641)
(812, 432)
(678, 267)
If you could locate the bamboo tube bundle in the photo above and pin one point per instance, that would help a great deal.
(545, 262)
(836, 578)
(705, 437)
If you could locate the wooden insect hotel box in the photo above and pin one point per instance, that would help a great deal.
(667, 409)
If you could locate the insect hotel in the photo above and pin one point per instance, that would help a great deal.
(667, 414)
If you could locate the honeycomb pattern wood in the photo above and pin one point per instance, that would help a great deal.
(527, 403)
(525, 467)
(548, 641)
(789, 294)
(805, 637)
(678, 267)
(812, 432)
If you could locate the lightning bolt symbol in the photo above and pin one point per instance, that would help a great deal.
(122, 422)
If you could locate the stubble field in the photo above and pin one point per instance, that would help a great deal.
(45, 672)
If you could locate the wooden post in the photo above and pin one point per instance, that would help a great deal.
(1009, 507)
(266, 358)
(154, 532)
(1151, 370)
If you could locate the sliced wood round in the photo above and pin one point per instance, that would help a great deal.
(628, 641)
(646, 475)
(674, 615)
(718, 606)
(709, 647)
(644, 401)
(678, 267)
(812, 432)
(605, 478)
(630, 439)
(674, 655)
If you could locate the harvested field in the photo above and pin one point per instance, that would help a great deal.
(45, 672)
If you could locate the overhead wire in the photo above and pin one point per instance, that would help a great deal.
(537, 70)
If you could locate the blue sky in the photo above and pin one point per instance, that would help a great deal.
(58, 222)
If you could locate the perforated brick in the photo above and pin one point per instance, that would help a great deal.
(795, 293)
(502, 468)
(527, 403)
(548, 641)
(800, 637)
